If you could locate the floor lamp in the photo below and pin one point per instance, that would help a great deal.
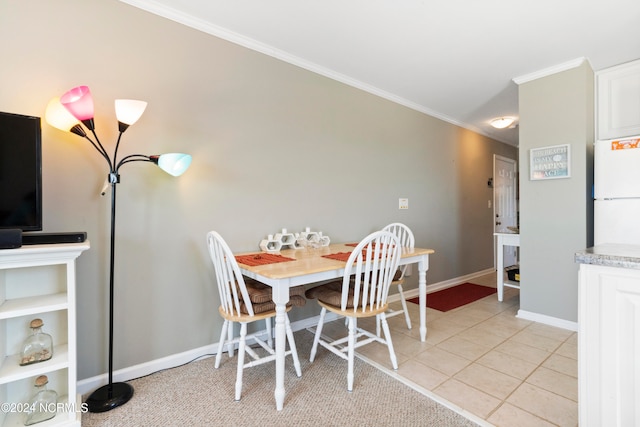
(66, 113)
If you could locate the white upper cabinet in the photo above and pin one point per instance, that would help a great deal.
(618, 101)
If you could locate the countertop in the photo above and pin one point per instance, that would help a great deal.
(611, 255)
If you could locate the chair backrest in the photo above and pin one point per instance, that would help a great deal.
(405, 235)
(231, 285)
(370, 269)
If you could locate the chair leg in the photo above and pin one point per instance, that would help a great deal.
(230, 336)
(292, 347)
(269, 332)
(241, 352)
(387, 338)
(221, 344)
(316, 339)
(351, 351)
(404, 307)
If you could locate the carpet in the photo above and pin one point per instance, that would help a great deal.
(197, 394)
(457, 296)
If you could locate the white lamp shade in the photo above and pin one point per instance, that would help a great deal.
(128, 111)
(174, 163)
(59, 117)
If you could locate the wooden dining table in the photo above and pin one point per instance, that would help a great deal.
(310, 265)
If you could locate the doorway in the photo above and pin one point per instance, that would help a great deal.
(505, 203)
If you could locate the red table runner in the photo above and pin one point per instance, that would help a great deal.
(340, 256)
(261, 259)
(344, 256)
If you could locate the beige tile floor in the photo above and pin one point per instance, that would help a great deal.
(485, 362)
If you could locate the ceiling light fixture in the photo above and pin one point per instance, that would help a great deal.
(502, 122)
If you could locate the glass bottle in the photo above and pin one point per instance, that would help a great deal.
(42, 405)
(38, 346)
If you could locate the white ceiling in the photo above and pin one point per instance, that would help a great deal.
(452, 59)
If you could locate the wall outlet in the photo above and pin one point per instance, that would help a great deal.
(403, 203)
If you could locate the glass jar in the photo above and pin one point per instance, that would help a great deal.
(38, 347)
(42, 405)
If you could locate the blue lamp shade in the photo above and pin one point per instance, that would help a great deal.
(172, 163)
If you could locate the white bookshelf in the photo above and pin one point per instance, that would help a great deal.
(39, 281)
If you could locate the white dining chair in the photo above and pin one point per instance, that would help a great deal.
(238, 304)
(406, 239)
(361, 293)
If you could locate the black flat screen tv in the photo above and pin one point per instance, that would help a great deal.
(20, 172)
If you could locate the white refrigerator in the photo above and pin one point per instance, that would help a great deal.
(617, 191)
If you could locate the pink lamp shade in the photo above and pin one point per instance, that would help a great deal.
(79, 102)
(128, 111)
(59, 117)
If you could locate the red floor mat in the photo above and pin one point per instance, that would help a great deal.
(457, 296)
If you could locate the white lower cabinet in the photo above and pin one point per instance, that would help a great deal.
(609, 346)
(39, 281)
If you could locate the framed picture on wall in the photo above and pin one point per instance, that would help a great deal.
(553, 162)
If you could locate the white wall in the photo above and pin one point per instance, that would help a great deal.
(273, 146)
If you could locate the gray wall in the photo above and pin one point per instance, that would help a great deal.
(556, 218)
(273, 146)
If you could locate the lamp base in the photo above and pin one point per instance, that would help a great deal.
(109, 397)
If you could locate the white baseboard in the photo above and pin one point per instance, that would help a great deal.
(88, 385)
(527, 315)
(548, 320)
(442, 285)
(126, 374)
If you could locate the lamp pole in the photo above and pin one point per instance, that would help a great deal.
(66, 113)
(112, 394)
(118, 393)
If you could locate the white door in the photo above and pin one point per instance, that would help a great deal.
(504, 201)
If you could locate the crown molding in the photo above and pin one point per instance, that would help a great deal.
(180, 17)
(550, 71)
